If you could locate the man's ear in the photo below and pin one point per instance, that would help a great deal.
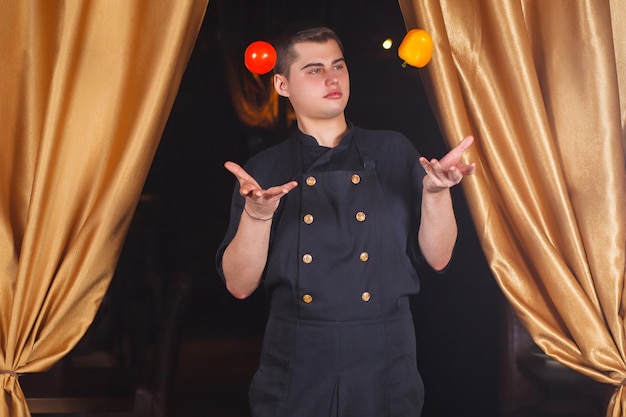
(281, 85)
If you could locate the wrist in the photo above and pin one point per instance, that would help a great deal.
(435, 191)
(257, 218)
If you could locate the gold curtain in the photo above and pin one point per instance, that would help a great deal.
(540, 84)
(86, 87)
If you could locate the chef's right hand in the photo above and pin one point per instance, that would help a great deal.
(260, 203)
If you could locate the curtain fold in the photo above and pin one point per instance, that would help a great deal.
(86, 89)
(538, 84)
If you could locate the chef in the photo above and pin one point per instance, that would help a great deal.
(332, 222)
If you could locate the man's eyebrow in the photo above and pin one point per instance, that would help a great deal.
(319, 64)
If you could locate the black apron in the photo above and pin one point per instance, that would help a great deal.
(340, 340)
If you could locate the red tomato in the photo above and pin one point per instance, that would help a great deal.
(260, 57)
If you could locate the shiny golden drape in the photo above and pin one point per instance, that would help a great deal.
(540, 84)
(85, 90)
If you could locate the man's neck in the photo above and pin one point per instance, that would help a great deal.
(327, 132)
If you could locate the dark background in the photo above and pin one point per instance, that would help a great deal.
(457, 315)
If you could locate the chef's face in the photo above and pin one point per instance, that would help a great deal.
(318, 83)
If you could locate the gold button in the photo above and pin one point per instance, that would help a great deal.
(364, 256)
(360, 216)
(310, 181)
(366, 296)
(307, 298)
(355, 179)
(308, 218)
(307, 258)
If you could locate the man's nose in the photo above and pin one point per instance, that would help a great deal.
(331, 80)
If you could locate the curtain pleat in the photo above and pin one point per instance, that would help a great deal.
(86, 88)
(538, 84)
(618, 11)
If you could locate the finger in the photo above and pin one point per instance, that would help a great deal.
(247, 183)
(279, 191)
(453, 173)
(238, 171)
(465, 143)
(436, 167)
(466, 169)
(250, 188)
(457, 152)
(289, 186)
(425, 164)
(460, 149)
(233, 167)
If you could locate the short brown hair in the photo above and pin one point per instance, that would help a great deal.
(285, 53)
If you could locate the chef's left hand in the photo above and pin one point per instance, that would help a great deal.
(449, 171)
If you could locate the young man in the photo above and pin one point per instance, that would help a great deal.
(333, 221)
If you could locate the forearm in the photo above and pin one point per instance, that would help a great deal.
(438, 229)
(245, 257)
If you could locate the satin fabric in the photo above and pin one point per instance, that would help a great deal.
(540, 84)
(86, 89)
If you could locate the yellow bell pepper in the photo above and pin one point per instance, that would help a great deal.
(416, 48)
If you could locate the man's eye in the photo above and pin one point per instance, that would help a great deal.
(315, 71)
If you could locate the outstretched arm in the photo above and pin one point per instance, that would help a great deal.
(246, 255)
(438, 229)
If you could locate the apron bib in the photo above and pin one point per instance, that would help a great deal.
(340, 339)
